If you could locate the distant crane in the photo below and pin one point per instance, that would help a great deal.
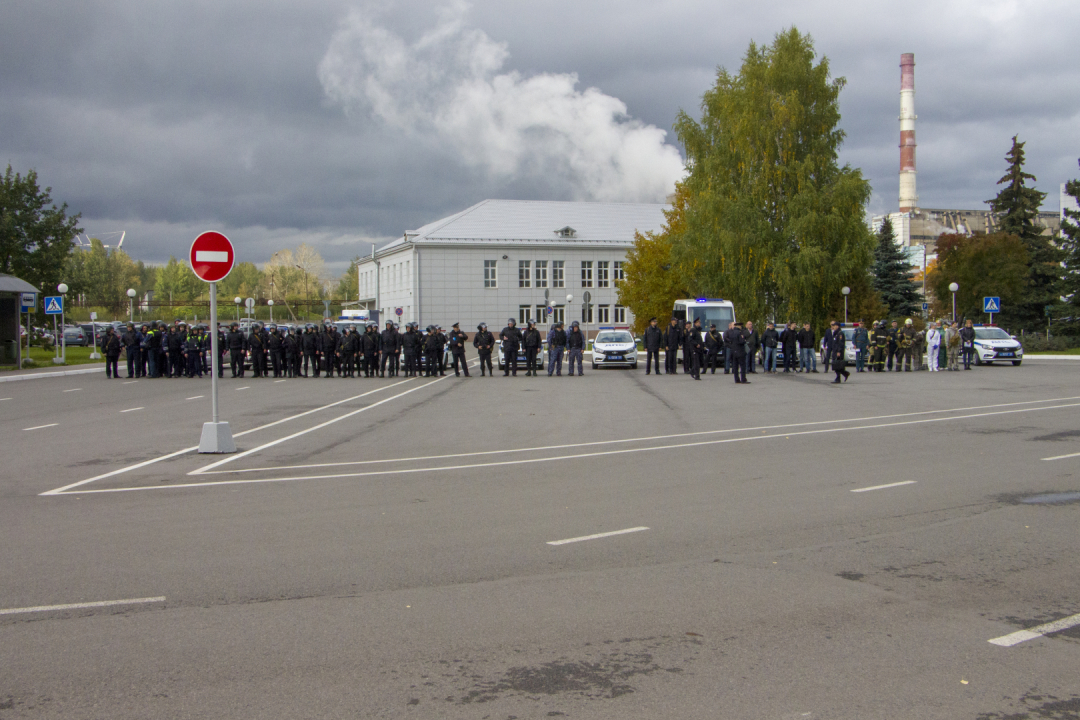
(82, 240)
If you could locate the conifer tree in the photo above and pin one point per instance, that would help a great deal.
(892, 278)
(1017, 207)
(1070, 243)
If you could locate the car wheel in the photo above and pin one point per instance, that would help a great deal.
(1016, 362)
(633, 366)
(978, 360)
(594, 366)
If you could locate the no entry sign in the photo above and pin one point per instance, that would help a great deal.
(211, 256)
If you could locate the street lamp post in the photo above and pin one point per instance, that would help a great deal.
(307, 298)
(131, 304)
(270, 304)
(845, 291)
(62, 289)
(238, 300)
(953, 287)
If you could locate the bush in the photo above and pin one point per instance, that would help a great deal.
(1038, 343)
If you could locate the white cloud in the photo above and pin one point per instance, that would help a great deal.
(448, 89)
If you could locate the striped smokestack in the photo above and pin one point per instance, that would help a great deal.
(908, 199)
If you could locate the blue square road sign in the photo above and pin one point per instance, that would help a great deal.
(991, 304)
(54, 305)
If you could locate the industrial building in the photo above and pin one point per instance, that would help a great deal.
(509, 258)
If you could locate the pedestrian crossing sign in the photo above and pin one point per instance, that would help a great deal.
(991, 304)
(54, 305)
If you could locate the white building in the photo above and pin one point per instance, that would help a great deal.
(507, 258)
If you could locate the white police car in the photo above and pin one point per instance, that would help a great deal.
(614, 347)
(993, 343)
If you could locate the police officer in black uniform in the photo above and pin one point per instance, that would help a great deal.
(456, 340)
(692, 346)
(391, 346)
(484, 342)
(411, 349)
(431, 351)
(714, 343)
(653, 340)
(672, 341)
(533, 342)
(511, 342)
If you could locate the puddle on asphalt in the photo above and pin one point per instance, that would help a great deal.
(1052, 499)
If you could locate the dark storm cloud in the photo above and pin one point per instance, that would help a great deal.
(168, 118)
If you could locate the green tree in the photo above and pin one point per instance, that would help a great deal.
(348, 285)
(651, 285)
(892, 274)
(36, 237)
(773, 222)
(981, 265)
(243, 282)
(176, 283)
(1017, 207)
(101, 276)
(1070, 243)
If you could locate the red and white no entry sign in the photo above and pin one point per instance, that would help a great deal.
(211, 256)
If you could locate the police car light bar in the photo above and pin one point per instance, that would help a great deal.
(705, 300)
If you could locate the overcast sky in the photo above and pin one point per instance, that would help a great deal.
(343, 123)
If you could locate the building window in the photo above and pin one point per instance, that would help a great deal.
(557, 277)
(586, 273)
(602, 279)
(541, 314)
(524, 274)
(524, 314)
(559, 316)
(604, 314)
(491, 277)
(620, 314)
(541, 273)
(586, 313)
(618, 275)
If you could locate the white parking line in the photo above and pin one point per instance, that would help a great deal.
(882, 487)
(277, 381)
(40, 427)
(320, 426)
(133, 409)
(595, 443)
(196, 397)
(136, 466)
(1063, 457)
(130, 382)
(557, 458)
(73, 390)
(246, 387)
(2, 399)
(597, 535)
(80, 606)
(1036, 632)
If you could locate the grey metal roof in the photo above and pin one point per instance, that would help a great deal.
(12, 284)
(537, 221)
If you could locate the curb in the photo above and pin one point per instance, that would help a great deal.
(52, 374)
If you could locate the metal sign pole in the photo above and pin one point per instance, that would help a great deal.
(215, 359)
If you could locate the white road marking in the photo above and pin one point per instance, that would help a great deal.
(882, 487)
(73, 390)
(597, 535)
(552, 459)
(133, 409)
(41, 427)
(2, 399)
(130, 382)
(246, 387)
(320, 426)
(136, 466)
(196, 397)
(567, 446)
(80, 606)
(1036, 632)
(277, 381)
(1062, 457)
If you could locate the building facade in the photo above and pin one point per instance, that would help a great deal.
(509, 258)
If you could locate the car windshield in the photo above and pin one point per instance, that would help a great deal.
(992, 334)
(721, 316)
(614, 337)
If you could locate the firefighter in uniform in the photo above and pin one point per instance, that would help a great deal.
(905, 346)
(880, 340)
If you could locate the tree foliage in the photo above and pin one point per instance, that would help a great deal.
(892, 277)
(100, 276)
(1070, 244)
(982, 265)
(1018, 207)
(176, 282)
(651, 285)
(36, 237)
(772, 221)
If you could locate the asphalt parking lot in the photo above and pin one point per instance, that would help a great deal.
(609, 546)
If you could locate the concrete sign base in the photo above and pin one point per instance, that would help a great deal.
(216, 438)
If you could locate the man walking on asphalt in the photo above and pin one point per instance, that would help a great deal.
(653, 339)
